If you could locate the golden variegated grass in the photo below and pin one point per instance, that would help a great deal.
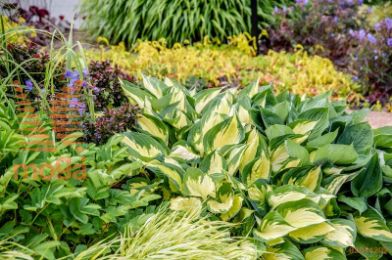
(174, 235)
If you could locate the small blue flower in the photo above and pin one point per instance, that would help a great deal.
(388, 23)
(389, 42)
(29, 85)
(361, 35)
(377, 26)
(371, 38)
(68, 74)
(301, 2)
(82, 108)
(355, 78)
(85, 72)
(74, 103)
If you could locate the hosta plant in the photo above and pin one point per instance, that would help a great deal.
(300, 175)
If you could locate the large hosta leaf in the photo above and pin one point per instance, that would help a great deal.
(335, 153)
(371, 224)
(143, 146)
(369, 180)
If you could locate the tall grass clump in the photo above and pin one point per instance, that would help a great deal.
(176, 21)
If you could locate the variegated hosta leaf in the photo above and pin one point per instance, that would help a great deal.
(323, 253)
(371, 224)
(199, 184)
(334, 182)
(175, 117)
(311, 234)
(234, 157)
(287, 193)
(203, 98)
(302, 213)
(186, 204)
(243, 108)
(255, 144)
(171, 171)
(273, 226)
(136, 95)
(181, 152)
(284, 251)
(235, 208)
(153, 85)
(343, 235)
(304, 128)
(142, 146)
(308, 177)
(279, 158)
(216, 112)
(213, 163)
(250, 90)
(154, 126)
(229, 132)
(224, 200)
(261, 169)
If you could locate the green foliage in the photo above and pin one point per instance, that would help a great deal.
(176, 21)
(58, 202)
(278, 165)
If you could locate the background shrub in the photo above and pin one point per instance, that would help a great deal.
(176, 21)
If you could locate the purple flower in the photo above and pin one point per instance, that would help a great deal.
(388, 23)
(389, 42)
(360, 2)
(301, 2)
(74, 102)
(29, 85)
(276, 10)
(73, 76)
(95, 89)
(371, 38)
(377, 26)
(82, 108)
(85, 72)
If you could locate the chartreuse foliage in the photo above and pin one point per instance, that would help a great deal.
(305, 179)
(233, 64)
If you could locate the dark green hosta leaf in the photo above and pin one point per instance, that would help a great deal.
(358, 203)
(335, 153)
(369, 180)
(360, 135)
(383, 137)
(323, 140)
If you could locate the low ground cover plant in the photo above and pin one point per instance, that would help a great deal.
(230, 65)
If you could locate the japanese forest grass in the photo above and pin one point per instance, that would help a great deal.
(299, 175)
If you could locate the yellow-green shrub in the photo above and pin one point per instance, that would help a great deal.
(14, 32)
(298, 72)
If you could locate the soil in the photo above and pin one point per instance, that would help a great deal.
(379, 119)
